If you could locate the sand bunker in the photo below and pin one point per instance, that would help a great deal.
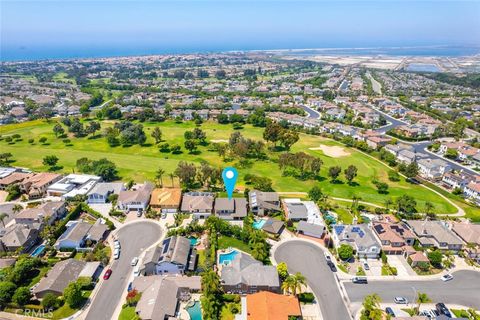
(219, 140)
(332, 151)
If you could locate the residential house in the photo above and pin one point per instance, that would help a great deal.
(36, 186)
(395, 237)
(14, 178)
(455, 180)
(273, 226)
(78, 232)
(433, 169)
(311, 229)
(161, 295)
(360, 237)
(266, 305)
(102, 190)
(435, 234)
(136, 199)
(472, 191)
(198, 203)
(19, 237)
(63, 273)
(166, 200)
(376, 142)
(263, 202)
(72, 185)
(470, 234)
(45, 213)
(245, 275)
(416, 258)
(231, 209)
(174, 256)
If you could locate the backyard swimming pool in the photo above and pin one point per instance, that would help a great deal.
(226, 258)
(193, 241)
(258, 224)
(195, 311)
(38, 251)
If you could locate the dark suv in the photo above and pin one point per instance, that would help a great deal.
(442, 309)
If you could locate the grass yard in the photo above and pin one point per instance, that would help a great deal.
(227, 242)
(141, 162)
(128, 313)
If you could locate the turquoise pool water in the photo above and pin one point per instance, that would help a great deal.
(38, 251)
(258, 224)
(193, 241)
(226, 258)
(195, 311)
(330, 218)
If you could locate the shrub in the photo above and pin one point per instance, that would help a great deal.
(345, 252)
(306, 297)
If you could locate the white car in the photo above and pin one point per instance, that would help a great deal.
(134, 261)
(447, 277)
(116, 253)
(400, 300)
(116, 244)
(136, 271)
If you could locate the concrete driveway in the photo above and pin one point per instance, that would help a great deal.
(134, 239)
(399, 262)
(308, 258)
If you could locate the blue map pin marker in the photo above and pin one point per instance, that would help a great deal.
(229, 176)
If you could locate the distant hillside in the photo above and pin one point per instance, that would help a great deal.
(471, 80)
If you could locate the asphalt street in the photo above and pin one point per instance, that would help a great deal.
(134, 239)
(312, 114)
(308, 259)
(464, 289)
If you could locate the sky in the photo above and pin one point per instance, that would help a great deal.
(67, 28)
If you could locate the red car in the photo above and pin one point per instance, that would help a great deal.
(107, 274)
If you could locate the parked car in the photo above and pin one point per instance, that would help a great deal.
(359, 280)
(447, 277)
(327, 257)
(164, 215)
(400, 300)
(134, 261)
(107, 274)
(116, 244)
(136, 271)
(389, 311)
(116, 253)
(442, 309)
(366, 266)
(332, 266)
(139, 214)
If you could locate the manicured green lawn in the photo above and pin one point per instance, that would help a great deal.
(141, 162)
(227, 242)
(128, 313)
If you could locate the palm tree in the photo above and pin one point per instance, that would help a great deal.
(294, 283)
(171, 175)
(422, 298)
(159, 175)
(3, 215)
(428, 208)
(388, 203)
(17, 208)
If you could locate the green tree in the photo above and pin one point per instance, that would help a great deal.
(282, 270)
(157, 135)
(159, 176)
(93, 127)
(350, 173)
(315, 194)
(411, 171)
(382, 187)
(50, 161)
(371, 308)
(7, 289)
(406, 204)
(49, 301)
(288, 138)
(22, 296)
(58, 129)
(190, 145)
(345, 252)
(272, 132)
(294, 284)
(73, 294)
(3, 216)
(422, 298)
(334, 172)
(435, 257)
(429, 209)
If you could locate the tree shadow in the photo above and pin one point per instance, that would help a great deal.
(353, 184)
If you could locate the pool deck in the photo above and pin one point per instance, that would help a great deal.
(183, 313)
